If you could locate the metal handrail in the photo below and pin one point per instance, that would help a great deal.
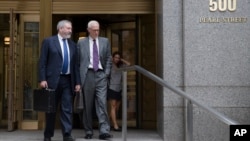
(190, 100)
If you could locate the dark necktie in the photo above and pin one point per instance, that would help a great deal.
(95, 56)
(65, 56)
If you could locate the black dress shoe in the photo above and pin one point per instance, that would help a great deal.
(88, 136)
(68, 138)
(117, 129)
(104, 136)
(46, 139)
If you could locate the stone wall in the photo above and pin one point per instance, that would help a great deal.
(206, 52)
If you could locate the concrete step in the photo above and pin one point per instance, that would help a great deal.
(78, 134)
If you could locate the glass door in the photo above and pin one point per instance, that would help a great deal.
(123, 39)
(4, 45)
(29, 60)
(8, 72)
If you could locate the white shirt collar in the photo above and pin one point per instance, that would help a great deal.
(59, 36)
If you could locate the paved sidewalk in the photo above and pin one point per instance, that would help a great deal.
(37, 135)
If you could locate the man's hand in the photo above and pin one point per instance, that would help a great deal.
(77, 88)
(43, 84)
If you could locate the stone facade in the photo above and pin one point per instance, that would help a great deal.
(205, 52)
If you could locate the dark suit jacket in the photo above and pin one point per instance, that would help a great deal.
(84, 56)
(50, 62)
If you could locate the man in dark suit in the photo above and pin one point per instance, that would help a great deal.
(58, 70)
(95, 64)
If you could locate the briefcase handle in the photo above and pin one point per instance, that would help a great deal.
(48, 89)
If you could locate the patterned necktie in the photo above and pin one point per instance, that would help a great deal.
(65, 56)
(95, 56)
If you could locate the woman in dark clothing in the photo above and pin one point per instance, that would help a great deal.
(115, 87)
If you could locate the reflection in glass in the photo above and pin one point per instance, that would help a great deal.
(31, 27)
(31, 54)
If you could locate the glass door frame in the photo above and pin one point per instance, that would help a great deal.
(27, 124)
(10, 73)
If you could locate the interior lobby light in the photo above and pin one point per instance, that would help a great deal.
(6, 40)
(82, 35)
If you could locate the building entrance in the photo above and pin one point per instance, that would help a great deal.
(132, 35)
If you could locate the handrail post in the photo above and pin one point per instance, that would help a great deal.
(189, 120)
(124, 105)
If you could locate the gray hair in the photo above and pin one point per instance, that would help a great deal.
(92, 22)
(62, 23)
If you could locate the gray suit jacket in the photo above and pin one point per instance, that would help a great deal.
(84, 56)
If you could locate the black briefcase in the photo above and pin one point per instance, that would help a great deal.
(78, 103)
(44, 100)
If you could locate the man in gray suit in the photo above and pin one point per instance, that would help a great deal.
(94, 57)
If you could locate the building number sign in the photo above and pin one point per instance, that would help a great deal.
(222, 5)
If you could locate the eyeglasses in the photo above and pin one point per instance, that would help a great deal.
(95, 30)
